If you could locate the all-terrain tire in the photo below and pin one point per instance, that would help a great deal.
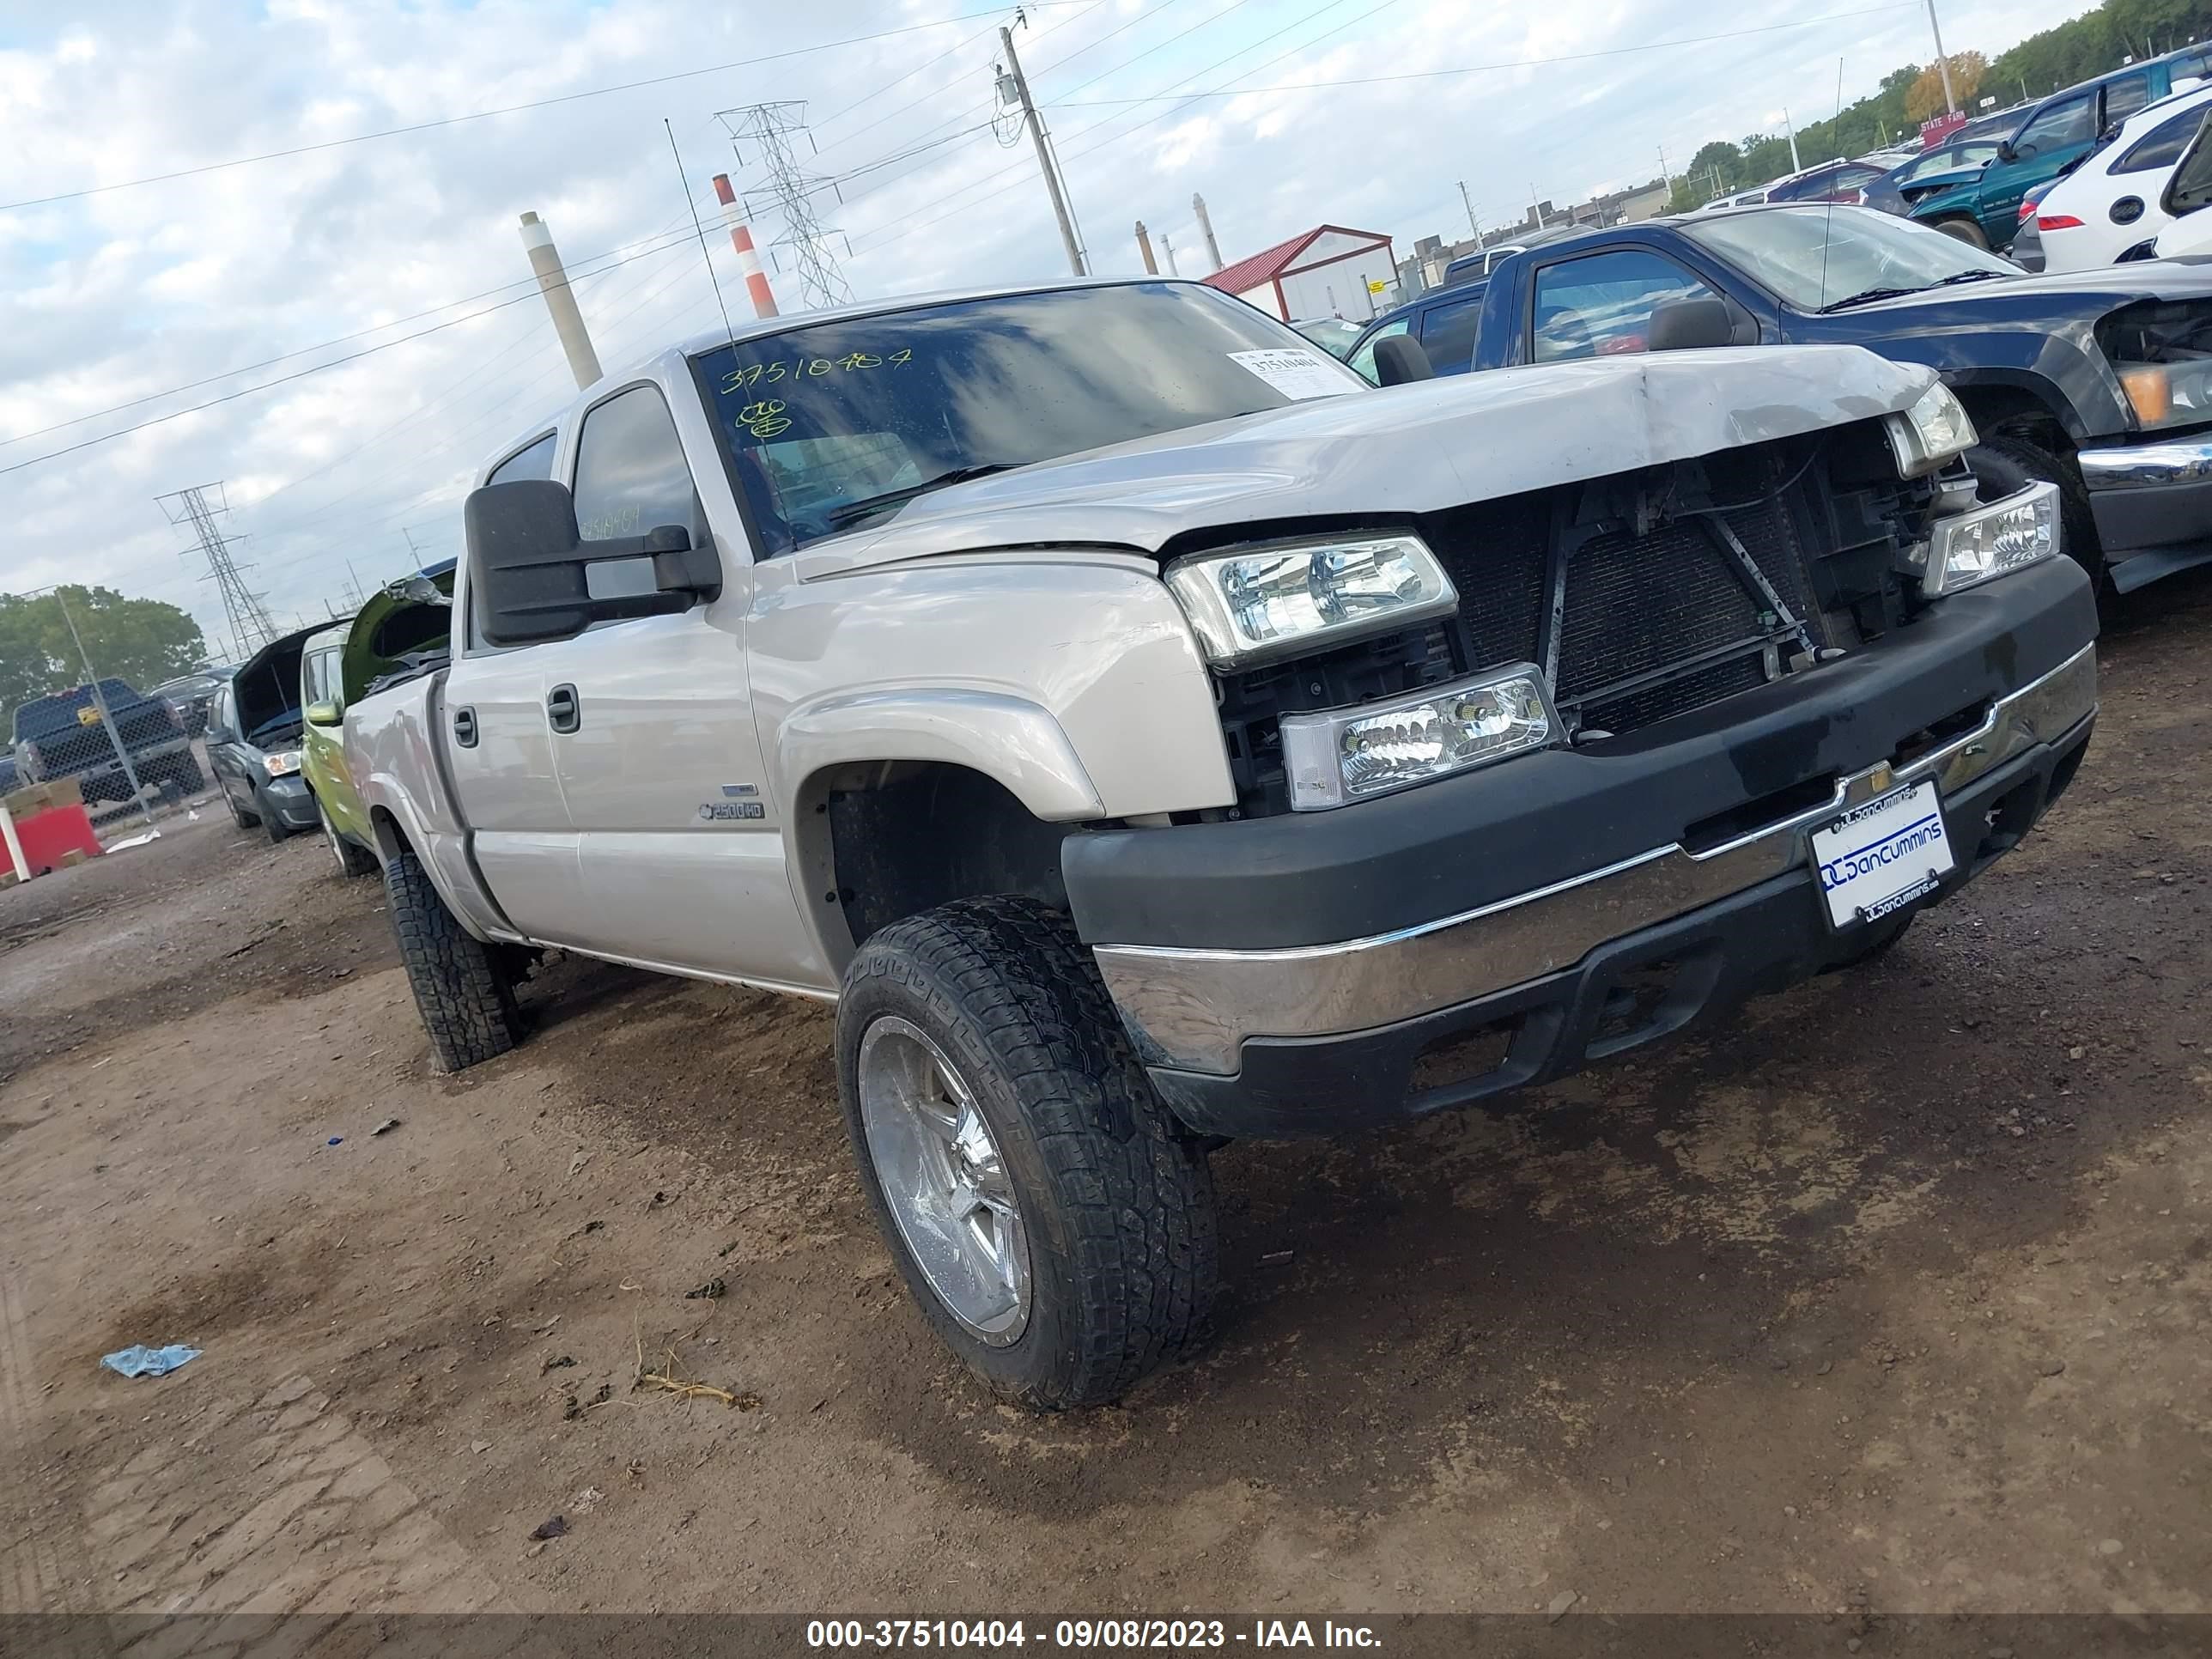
(1965, 229)
(352, 859)
(2004, 464)
(1116, 1196)
(467, 1002)
(278, 829)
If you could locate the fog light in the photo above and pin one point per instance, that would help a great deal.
(1991, 541)
(1345, 754)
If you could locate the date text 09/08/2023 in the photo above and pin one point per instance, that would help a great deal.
(1085, 1633)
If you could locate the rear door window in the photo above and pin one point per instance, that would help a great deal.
(2124, 96)
(1448, 335)
(2162, 145)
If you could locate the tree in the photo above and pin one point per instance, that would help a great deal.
(141, 641)
(1924, 97)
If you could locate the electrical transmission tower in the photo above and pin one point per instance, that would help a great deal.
(772, 130)
(245, 610)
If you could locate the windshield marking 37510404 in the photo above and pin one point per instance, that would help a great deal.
(832, 424)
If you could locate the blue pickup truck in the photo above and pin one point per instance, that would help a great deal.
(2098, 381)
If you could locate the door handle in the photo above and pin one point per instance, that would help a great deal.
(465, 727)
(563, 710)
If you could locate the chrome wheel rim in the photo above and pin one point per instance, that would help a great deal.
(943, 1180)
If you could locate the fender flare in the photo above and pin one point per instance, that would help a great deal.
(1011, 740)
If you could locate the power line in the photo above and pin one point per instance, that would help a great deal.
(283, 379)
(1482, 69)
(510, 109)
(322, 346)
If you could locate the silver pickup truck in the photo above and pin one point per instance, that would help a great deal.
(1147, 733)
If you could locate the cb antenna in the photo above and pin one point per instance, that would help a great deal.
(682, 178)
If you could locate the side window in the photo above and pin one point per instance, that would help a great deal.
(1448, 335)
(219, 712)
(533, 460)
(1601, 305)
(1362, 361)
(2162, 145)
(631, 476)
(2124, 96)
(313, 679)
(2073, 121)
(324, 686)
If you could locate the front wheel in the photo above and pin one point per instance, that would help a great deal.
(1966, 230)
(1052, 1220)
(352, 861)
(461, 987)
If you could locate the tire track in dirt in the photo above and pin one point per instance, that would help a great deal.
(32, 1578)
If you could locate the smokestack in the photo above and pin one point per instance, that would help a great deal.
(1144, 247)
(560, 301)
(1205, 226)
(741, 238)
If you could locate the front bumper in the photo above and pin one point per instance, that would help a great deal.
(1265, 1038)
(290, 799)
(2152, 504)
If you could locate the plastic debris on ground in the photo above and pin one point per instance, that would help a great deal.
(139, 1360)
(387, 1127)
(552, 1528)
(135, 841)
(333, 1140)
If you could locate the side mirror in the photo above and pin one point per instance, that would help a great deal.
(530, 569)
(2006, 153)
(323, 713)
(1689, 326)
(1400, 359)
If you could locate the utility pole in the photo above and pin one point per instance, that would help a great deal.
(1014, 93)
(359, 598)
(1167, 251)
(1666, 179)
(1206, 229)
(99, 701)
(772, 128)
(1791, 127)
(1536, 207)
(1144, 247)
(1943, 63)
(560, 300)
(1473, 225)
(246, 611)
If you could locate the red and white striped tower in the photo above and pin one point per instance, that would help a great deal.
(741, 238)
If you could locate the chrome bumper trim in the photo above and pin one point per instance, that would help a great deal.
(1192, 1009)
(2147, 466)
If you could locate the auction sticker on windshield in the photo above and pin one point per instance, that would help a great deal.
(1883, 856)
(1293, 373)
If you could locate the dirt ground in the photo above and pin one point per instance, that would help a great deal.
(1890, 1293)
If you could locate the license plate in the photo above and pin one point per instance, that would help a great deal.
(1882, 855)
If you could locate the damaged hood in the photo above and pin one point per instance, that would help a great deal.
(1417, 448)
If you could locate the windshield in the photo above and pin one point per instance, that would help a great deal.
(1814, 256)
(820, 417)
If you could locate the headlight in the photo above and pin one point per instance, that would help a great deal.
(2005, 536)
(1261, 603)
(2167, 394)
(1930, 432)
(282, 765)
(1349, 754)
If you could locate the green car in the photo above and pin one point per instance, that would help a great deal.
(2049, 138)
(401, 632)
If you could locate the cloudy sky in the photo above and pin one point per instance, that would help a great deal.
(121, 305)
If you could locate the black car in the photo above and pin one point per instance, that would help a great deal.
(2099, 381)
(255, 722)
(63, 736)
(189, 694)
(1444, 320)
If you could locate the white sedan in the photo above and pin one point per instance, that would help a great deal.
(2110, 202)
